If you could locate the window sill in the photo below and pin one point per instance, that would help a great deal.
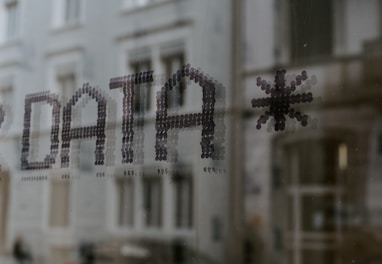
(136, 9)
(151, 232)
(61, 236)
(10, 43)
(69, 26)
(59, 229)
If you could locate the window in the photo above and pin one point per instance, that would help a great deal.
(6, 100)
(319, 215)
(152, 200)
(313, 171)
(179, 252)
(176, 95)
(67, 13)
(4, 186)
(142, 92)
(60, 255)
(317, 167)
(318, 256)
(67, 85)
(136, 3)
(380, 144)
(125, 196)
(311, 29)
(216, 228)
(59, 203)
(12, 16)
(72, 10)
(183, 189)
(342, 156)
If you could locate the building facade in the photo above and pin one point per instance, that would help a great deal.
(51, 193)
(312, 192)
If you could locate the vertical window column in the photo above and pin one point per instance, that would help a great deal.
(72, 11)
(142, 92)
(183, 190)
(59, 203)
(152, 200)
(311, 29)
(125, 196)
(172, 63)
(136, 3)
(67, 85)
(12, 19)
(4, 189)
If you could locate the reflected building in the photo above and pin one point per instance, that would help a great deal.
(313, 192)
(309, 194)
(172, 211)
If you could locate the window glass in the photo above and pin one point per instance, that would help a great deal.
(152, 201)
(190, 131)
(12, 18)
(142, 92)
(183, 201)
(59, 207)
(311, 29)
(125, 196)
(72, 10)
(177, 93)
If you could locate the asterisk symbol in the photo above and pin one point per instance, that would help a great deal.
(281, 99)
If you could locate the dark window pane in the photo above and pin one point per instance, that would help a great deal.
(318, 257)
(311, 29)
(318, 213)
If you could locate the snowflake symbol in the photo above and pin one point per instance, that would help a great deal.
(282, 98)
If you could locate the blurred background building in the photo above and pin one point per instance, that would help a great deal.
(153, 211)
(305, 195)
(313, 193)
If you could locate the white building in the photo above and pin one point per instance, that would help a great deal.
(57, 46)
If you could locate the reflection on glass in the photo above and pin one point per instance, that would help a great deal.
(318, 256)
(72, 10)
(311, 29)
(12, 18)
(308, 195)
(125, 193)
(183, 189)
(152, 200)
(318, 213)
(59, 203)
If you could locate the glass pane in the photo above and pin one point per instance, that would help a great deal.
(125, 191)
(318, 213)
(152, 200)
(59, 208)
(318, 257)
(318, 167)
(12, 17)
(72, 10)
(183, 201)
(190, 131)
(311, 29)
(142, 92)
